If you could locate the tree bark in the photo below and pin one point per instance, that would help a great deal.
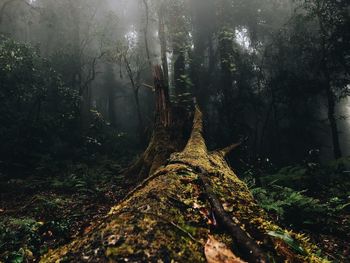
(327, 85)
(163, 44)
(186, 199)
(145, 33)
(168, 135)
(111, 96)
(333, 122)
(179, 42)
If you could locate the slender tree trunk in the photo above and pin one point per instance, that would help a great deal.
(135, 87)
(333, 122)
(139, 115)
(328, 88)
(145, 34)
(85, 106)
(163, 45)
(179, 41)
(179, 71)
(109, 91)
(228, 109)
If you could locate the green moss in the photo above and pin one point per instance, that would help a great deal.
(163, 220)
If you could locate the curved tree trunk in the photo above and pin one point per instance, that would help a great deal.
(188, 201)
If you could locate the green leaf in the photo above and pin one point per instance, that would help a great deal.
(294, 244)
(18, 257)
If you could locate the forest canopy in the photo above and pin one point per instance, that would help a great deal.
(98, 98)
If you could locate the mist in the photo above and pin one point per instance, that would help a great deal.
(103, 94)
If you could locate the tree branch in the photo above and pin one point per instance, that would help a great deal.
(246, 244)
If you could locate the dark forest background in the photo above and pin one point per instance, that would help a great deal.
(76, 104)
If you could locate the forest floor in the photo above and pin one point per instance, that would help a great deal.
(44, 212)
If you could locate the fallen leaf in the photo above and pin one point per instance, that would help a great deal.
(218, 252)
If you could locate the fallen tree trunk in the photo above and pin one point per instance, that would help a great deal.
(191, 202)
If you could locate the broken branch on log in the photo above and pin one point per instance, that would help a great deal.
(245, 243)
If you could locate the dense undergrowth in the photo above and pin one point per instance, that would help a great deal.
(45, 212)
(311, 198)
(55, 179)
(67, 182)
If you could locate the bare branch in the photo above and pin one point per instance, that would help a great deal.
(229, 149)
(148, 86)
(225, 151)
(92, 73)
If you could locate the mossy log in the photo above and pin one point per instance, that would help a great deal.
(169, 217)
(190, 196)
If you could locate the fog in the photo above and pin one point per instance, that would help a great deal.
(174, 131)
(246, 62)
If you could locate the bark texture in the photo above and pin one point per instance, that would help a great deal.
(191, 196)
(169, 217)
(169, 134)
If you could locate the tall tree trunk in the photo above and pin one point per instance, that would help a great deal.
(333, 122)
(179, 41)
(85, 106)
(168, 136)
(226, 63)
(327, 85)
(188, 201)
(163, 45)
(110, 88)
(145, 33)
(179, 71)
(139, 115)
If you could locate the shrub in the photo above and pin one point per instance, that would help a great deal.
(39, 114)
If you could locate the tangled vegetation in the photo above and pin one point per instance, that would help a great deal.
(105, 155)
